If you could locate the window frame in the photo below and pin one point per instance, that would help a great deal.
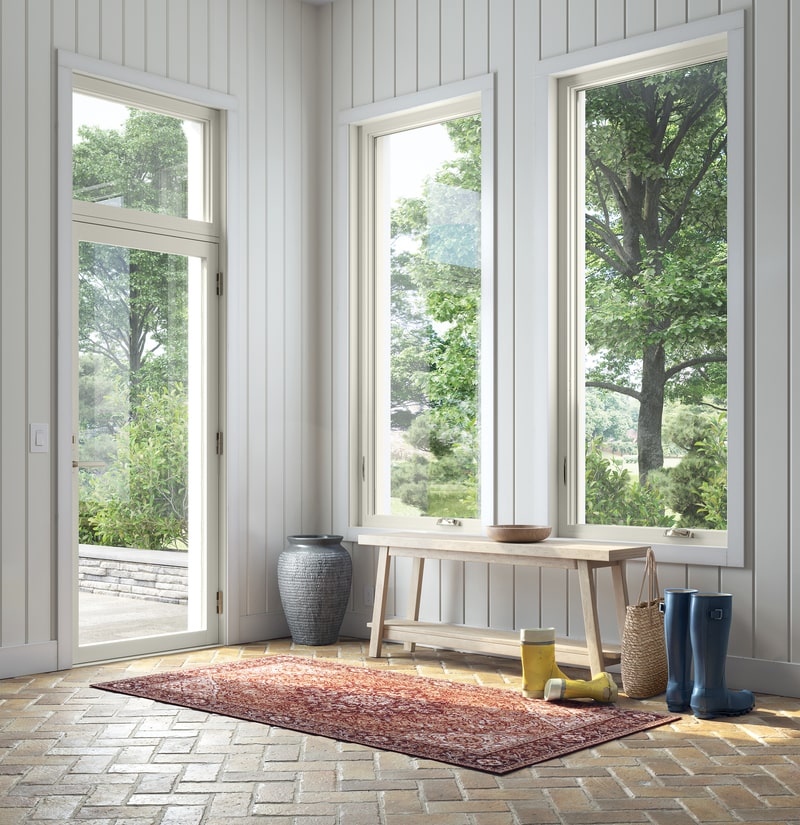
(208, 228)
(222, 231)
(359, 129)
(558, 82)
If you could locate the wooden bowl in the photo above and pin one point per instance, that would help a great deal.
(518, 532)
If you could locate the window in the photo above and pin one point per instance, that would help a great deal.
(423, 328)
(650, 298)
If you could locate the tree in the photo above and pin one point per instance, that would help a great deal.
(655, 228)
(435, 314)
(133, 302)
(133, 323)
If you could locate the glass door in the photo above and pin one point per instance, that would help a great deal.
(144, 450)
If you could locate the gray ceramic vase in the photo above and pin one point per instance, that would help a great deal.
(314, 576)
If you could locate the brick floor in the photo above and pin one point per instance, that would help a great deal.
(69, 753)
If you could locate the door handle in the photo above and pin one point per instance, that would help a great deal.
(88, 464)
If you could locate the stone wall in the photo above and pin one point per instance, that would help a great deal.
(153, 575)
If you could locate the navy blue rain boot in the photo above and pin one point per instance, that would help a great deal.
(710, 627)
(677, 603)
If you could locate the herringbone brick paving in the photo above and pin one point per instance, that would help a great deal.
(69, 753)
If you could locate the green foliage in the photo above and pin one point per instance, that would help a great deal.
(437, 485)
(696, 489)
(141, 500)
(656, 245)
(435, 331)
(614, 497)
(133, 334)
(142, 167)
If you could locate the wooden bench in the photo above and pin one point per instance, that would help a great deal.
(585, 557)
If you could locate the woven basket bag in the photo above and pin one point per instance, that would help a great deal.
(644, 650)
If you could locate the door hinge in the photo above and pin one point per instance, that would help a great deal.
(220, 283)
(220, 443)
(219, 601)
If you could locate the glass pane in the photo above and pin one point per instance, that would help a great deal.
(137, 159)
(428, 294)
(655, 300)
(139, 440)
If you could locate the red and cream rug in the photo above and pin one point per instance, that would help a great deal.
(487, 729)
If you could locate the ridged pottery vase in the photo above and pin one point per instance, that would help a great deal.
(314, 576)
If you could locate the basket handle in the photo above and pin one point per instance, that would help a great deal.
(650, 577)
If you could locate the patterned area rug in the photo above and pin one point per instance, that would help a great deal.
(487, 729)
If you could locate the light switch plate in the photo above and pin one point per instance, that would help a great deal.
(39, 438)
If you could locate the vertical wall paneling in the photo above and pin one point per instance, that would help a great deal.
(476, 22)
(157, 32)
(794, 355)
(265, 303)
(363, 44)
(38, 162)
(111, 18)
(134, 38)
(384, 70)
(699, 9)
(177, 32)
(452, 40)
(405, 13)
(64, 19)
(299, 400)
(237, 301)
(529, 507)
(771, 367)
(87, 27)
(197, 33)
(259, 52)
(475, 53)
(500, 37)
(640, 17)
(317, 188)
(672, 13)
(428, 44)
(553, 29)
(581, 25)
(13, 261)
(610, 21)
(218, 45)
(441, 53)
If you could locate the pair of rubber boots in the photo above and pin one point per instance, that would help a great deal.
(697, 625)
(542, 678)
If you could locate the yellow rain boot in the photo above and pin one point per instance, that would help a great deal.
(602, 688)
(538, 648)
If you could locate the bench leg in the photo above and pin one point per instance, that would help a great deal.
(594, 644)
(379, 608)
(414, 596)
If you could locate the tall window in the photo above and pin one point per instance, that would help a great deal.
(146, 249)
(646, 326)
(423, 324)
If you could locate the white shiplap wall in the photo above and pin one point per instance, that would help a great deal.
(264, 53)
(384, 49)
(293, 67)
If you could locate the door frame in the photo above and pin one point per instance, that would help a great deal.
(232, 402)
(203, 579)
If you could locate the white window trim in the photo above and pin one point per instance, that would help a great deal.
(233, 410)
(727, 30)
(347, 412)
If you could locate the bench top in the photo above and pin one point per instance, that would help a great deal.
(552, 549)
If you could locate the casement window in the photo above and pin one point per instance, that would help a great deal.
(648, 169)
(421, 312)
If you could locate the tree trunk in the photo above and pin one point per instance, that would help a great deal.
(651, 412)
